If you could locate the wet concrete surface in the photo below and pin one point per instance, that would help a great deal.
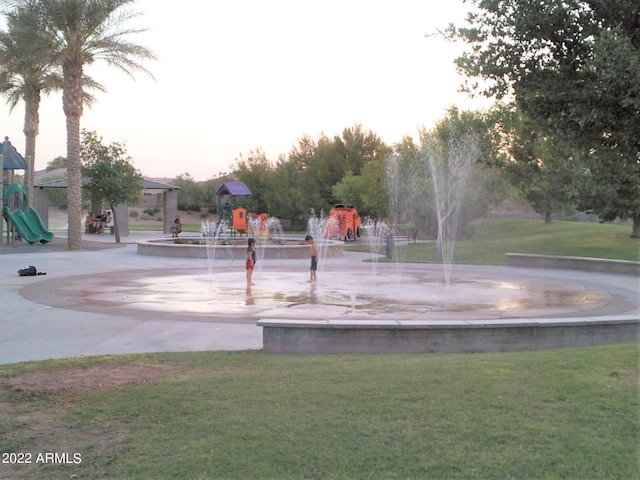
(107, 299)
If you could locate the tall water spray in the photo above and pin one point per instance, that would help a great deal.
(376, 233)
(428, 185)
(398, 191)
(262, 229)
(319, 227)
(211, 231)
(450, 164)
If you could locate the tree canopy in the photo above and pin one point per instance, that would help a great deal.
(113, 178)
(303, 181)
(573, 66)
(539, 164)
(73, 34)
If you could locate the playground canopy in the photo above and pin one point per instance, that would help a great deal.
(234, 189)
(12, 160)
(227, 193)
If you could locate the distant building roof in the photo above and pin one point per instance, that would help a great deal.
(146, 184)
(233, 188)
(149, 184)
(12, 160)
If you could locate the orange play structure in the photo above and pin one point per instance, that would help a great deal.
(239, 220)
(347, 224)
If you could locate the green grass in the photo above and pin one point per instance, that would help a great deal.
(570, 414)
(488, 241)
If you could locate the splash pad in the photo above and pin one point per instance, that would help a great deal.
(374, 307)
(350, 309)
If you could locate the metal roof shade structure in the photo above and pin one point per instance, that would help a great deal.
(12, 160)
(146, 184)
(169, 204)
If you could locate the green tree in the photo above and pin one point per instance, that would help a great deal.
(58, 162)
(367, 155)
(573, 66)
(321, 164)
(314, 164)
(303, 181)
(77, 33)
(368, 191)
(439, 182)
(112, 177)
(287, 199)
(190, 195)
(542, 167)
(256, 172)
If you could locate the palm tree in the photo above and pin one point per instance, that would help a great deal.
(25, 74)
(78, 33)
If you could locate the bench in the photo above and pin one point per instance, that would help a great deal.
(405, 235)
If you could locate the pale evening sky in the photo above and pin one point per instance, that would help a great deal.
(242, 75)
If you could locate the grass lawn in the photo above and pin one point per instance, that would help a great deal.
(489, 240)
(571, 414)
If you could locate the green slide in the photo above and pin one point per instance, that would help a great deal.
(27, 222)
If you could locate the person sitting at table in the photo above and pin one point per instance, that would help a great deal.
(176, 228)
(102, 222)
(88, 223)
(110, 222)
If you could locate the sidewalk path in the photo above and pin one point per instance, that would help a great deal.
(33, 331)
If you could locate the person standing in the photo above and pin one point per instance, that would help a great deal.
(251, 260)
(313, 251)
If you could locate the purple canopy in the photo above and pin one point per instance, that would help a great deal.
(233, 188)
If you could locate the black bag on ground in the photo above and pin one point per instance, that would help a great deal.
(29, 271)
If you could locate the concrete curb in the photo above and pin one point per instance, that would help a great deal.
(587, 264)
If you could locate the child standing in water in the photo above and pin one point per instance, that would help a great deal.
(251, 260)
(313, 250)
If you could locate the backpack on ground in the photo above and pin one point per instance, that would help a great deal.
(30, 271)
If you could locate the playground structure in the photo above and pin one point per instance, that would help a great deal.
(21, 217)
(229, 212)
(238, 219)
(347, 224)
(22, 220)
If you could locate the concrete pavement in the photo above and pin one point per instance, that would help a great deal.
(33, 331)
(37, 325)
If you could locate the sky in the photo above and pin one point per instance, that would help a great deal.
(245, 75)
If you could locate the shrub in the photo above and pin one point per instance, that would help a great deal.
(151, 211)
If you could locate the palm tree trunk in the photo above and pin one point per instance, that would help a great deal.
(74, 184)
(30, 130)
(72, 105)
